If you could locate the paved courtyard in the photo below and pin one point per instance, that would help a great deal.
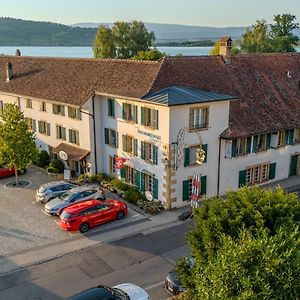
(23, 225)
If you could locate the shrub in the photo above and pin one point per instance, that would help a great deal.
(52, 170)
(43, 159)
(57, 164)
(83, 177)
(150, 207)
(120, 185)
(132, 195)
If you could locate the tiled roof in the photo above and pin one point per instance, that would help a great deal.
(179, 95)
(72, 81)
(268, 86)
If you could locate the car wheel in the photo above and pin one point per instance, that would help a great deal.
(84, 227)
(120, 215)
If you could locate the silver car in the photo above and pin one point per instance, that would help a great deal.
(55, 206)
(51, 190)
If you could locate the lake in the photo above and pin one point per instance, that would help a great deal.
(88, 53)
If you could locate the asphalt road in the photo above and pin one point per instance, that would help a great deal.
(143, 259)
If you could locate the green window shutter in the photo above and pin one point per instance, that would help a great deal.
(48, 129)
(204, 147)
(155, 151)
(137, 179)
(286, 137)
(70, 135)
(186, 190)
(124, 142)
(291, 137)
(242, 178)
(156, 125)
(123, 111)
(248, 147)
(272, 171)
(109, 107)
(293, 165)
(233, 148)
(135, 114)
(79, 115)
(64, 133)
(135, 147)
(203, 185)
(155, 188)
(186, 157)
(143, 115)
(123, 173)
(106, 135)
(268, 141)
(142, 150)
(255, 142)
(112, 108)
(62, 110)
(142, 181)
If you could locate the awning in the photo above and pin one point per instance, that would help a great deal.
(74, 153)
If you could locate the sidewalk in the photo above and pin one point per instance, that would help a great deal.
(290, 184)
(39, 255)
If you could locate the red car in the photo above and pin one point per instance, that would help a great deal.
(84, 215)
(4, 172)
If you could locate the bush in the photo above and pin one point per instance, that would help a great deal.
(57, 164)
(43, 159)
(132, 195)
(150, 207)
(52, 170)
(83, 178)
(120, 185)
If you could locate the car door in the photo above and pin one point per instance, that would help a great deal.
(105, 213)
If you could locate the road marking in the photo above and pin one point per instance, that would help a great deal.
(137, 215)
(154, 285)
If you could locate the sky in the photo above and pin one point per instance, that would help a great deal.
(217, 13)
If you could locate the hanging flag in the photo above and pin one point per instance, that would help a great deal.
(195, 190)
(119, 161)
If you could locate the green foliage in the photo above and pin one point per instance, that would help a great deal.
(152, 54)
(279, 39)
(132, 195)
(215, 50)
(123, 40)
(150, 207)
(119, 184)
(17, 143)
(245, 246)
(43, 159)
(56, 165)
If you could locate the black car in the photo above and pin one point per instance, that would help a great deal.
(185, 215)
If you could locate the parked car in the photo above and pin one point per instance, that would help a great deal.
(55, 206)
(125, 291)
(51, 190)
(5, 172)
(185, 216)
(87, 214)
(172, 283)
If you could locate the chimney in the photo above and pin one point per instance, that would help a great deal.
(18, 52)
(225, 48)
(9, 71)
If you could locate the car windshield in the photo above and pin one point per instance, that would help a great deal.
(65, 196)
(66, 215)
(120, 294)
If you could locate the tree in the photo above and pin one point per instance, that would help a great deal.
(215, 50)
(282, 33)
(245, 246)
(123, 40)
(17, 144)
(257, 40)
(152, 54)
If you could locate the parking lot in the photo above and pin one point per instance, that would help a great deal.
(23, 225)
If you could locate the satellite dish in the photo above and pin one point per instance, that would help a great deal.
(63, 155)
(149, 196)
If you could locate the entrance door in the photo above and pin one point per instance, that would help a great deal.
(294, 170)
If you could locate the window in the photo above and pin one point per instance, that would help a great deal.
(74, 113)
(149, 117)
(198, 118)
(60, 132)
(111, 107)
(257, 174)
(44, 127)
(129, 144)
(43, 106)
(28, 103)
(149, 179)
(187, 188)
(190, 155)
(74, 136)
(111, 137)
(280, 138)
(129, 175)
(112, 164)
(58, 109)
(31, 124)
(149, 152)
(129, 112)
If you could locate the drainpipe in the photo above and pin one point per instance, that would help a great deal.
(219, 162)
(94, 129)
